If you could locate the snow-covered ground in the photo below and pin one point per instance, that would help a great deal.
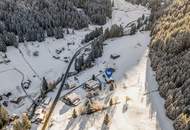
(156, 102)
(131, 77)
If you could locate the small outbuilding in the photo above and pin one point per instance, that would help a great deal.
(92, 85)
(114, 56)
(72, 99)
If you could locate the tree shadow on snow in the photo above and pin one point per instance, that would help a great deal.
(71, 124)
(107, 98)
(64, 109)
(111, 112)
(125, 107)
(88, 121)
(83, 122)
(105, 127)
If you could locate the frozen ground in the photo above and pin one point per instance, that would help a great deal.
(131, 77)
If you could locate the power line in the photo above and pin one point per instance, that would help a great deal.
(29, 65)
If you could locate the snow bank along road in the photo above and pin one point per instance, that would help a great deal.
(130, 76)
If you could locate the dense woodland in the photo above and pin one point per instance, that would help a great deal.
(169, 54)
(33, 20)
(157, 7)
(96, 38)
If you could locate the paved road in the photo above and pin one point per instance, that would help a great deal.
(61, 87)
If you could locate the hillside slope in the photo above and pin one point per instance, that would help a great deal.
(32, 20)
(169, 54)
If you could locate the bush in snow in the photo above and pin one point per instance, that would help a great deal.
(36, 53)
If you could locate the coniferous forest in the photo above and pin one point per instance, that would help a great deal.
(33, 20)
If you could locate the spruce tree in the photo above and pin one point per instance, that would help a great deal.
(74, 114)
(4, 117)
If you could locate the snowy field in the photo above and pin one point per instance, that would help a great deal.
(156, 102)
(131, 75)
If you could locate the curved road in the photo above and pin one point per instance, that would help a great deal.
(61, 87)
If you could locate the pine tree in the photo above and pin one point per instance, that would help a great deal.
(26, 122)
(58, 33)
(68, 31)
(139, 23)
(3, 46)
(17, 125)
(20, 37)
(73, 31)
(111, 103)
(116, 31)
(93, 77)
(88, 106)
(127, 99)
(40, 35)
(74, 114)
(107, 119)
(10, 39)
(3, 117)
(112, 86)
(1, 124)
(113, 3)
(133, 29)
(107, 33)
(2, 27)
(44, 85)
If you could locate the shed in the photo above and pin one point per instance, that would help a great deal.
(92, 85)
